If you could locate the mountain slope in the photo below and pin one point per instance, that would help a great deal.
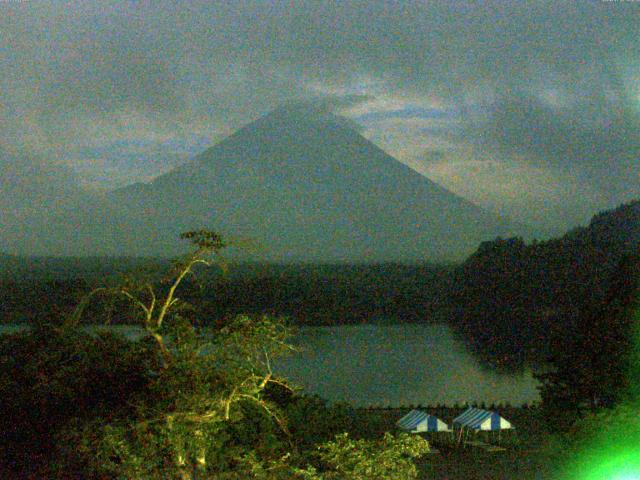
(306, 186)
(301, 184)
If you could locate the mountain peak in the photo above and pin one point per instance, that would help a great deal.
(298, 116)
(307, 186)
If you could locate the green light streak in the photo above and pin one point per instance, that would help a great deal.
(618, 466)
(610, 446)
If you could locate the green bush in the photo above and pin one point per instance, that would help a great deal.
(390, 458)
(312, 420)
(51, 376)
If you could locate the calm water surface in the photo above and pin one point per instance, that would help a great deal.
(398, 365)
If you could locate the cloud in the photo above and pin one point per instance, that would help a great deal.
(595, 138)
(551, 84)
(548, 199)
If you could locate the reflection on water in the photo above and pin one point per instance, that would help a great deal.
(398, 365)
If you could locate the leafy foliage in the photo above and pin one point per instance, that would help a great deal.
(312, 420)
(178, 402)
(513, 302)
(388, 458)
(599, 446)
(51, 377)
(592, 369)
(204, 239)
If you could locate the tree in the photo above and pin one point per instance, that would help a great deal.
(142, 295)
(180, 401)
(590, 368)
(205, 385)
(52, 377)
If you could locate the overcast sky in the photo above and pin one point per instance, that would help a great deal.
(530, 108)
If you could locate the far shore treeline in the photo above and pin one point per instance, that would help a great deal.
(329, 294)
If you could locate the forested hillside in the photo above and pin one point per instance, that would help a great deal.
(512, 301)
(307, 294)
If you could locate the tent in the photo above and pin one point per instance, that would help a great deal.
(417, 421)
(478, 419)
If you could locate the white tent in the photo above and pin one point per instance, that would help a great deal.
(478, 419)
(417, 421)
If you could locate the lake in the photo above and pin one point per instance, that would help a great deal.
(398, 365)
(390, 365)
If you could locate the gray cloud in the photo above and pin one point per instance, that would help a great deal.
(597, 139)
(554, 83)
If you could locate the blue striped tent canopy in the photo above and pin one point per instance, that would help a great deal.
(477, 419)
(417, 421)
